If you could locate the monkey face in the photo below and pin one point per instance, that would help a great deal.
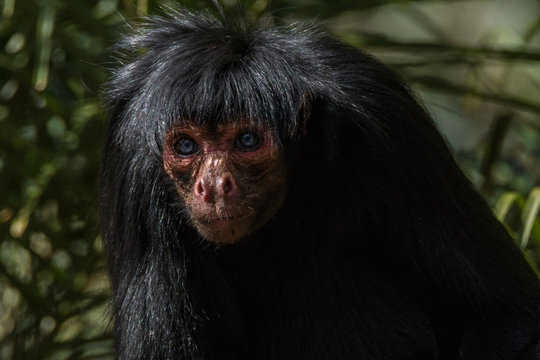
(232, 179)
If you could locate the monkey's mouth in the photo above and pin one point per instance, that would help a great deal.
(218, 221)
(223, 229)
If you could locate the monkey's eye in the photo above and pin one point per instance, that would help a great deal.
(248, 141)
(186, 147)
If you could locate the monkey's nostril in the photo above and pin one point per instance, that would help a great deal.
(200, 189)
(203, 191)
(227, 186)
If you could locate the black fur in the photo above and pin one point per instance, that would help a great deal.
(383, 249)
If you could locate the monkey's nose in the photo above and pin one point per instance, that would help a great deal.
(222, 186)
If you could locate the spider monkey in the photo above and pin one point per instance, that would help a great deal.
(272, 193)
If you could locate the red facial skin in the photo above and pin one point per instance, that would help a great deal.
(229, 191)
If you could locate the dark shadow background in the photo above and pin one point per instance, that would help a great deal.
(476, 65)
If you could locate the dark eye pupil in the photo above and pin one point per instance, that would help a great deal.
(248, 141)
(186, 147)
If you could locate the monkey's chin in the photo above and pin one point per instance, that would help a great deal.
(224, 230)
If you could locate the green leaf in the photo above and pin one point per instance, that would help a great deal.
(530, 216)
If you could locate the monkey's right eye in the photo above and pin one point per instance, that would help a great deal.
(186, 147)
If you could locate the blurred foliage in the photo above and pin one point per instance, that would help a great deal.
(479, 77)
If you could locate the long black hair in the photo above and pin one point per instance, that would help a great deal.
(374, 183)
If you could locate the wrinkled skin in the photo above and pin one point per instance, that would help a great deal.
(232, 178)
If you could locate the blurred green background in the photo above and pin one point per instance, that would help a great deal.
(476, 65)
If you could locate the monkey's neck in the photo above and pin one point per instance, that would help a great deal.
(284, 290)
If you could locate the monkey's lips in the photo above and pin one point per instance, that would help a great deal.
(218, 220)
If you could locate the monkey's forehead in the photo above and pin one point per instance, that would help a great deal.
(232, 125)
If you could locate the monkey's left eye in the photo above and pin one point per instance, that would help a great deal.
(248, 141)
(186, 147)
